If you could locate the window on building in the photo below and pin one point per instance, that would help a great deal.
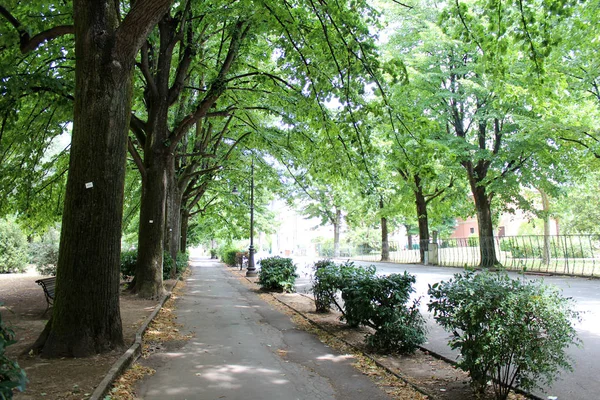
(472, 230)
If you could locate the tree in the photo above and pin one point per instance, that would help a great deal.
(467, 58)
(88, 322)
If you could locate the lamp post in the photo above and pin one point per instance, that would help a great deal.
(251, 271)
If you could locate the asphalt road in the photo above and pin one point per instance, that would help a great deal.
(582, 384)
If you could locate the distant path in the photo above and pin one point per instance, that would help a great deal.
(582, 384)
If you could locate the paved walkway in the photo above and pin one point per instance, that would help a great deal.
(244, 349)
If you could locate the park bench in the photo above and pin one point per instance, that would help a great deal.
(48, 284)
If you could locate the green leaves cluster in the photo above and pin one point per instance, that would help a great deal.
(11, 375)
(44, 252)
(379, 302)
(277, 274)
(13, 247)
(508, 331)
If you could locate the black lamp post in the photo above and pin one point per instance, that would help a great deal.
(251, 271)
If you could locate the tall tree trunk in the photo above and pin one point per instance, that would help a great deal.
(336, 232)
(173, 226)
(185, 218)
(385, 244)
(546, 218)
(86, 318)
(409, 236)
(487, 248)
(149, 267)
(422, 218)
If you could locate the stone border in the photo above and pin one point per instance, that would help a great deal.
(132, 353)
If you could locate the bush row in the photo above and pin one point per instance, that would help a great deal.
(380, 302)
(129, 259)
(509, 332)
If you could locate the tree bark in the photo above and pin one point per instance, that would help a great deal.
(174, 200)
(336, 232)
(487, 248)
(86, 317)
(385, 244)
(409, 236)
(185, 218)
(422, 218)
(149, 265)
(546, 218)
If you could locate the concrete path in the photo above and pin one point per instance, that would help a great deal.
(581, 384)
(244, 349)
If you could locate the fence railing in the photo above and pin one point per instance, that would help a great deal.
(564, 254)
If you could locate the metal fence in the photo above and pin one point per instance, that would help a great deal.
(564, 254)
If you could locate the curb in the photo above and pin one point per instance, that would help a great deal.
(132, 353)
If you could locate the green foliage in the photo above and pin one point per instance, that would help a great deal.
(559, 247)
(182, 261)
(44, 253)
(227, 254)
(128, 261)
(277, 273)
(168, 265)
(507, 331)
(377, 302)
(13, 247)
(381, 302)
(11, 375)
(323, 286)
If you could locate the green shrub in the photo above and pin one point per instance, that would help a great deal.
(11, 375)
(381, 302)
(128, 261)
(324, 287)
(182, 262)
(44, 253)
(533, 247)
(277, 273)
(227, 254)
(13, 247)
(508, 331)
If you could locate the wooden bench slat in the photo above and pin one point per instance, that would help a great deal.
(48, 285)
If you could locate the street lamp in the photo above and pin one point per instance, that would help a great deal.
(251, 271)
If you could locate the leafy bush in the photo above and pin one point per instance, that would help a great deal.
(507, 331)
(182, 261)
(323, 287)
(533, 247)
(377, 302)
(13, 247)
(11, 375)
(277, 273)
(128, 261)
(330, 278)
(381, 302)
(227, 254)
(167, 265)
(44, 253)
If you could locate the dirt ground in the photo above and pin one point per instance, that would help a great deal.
(23, 310)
